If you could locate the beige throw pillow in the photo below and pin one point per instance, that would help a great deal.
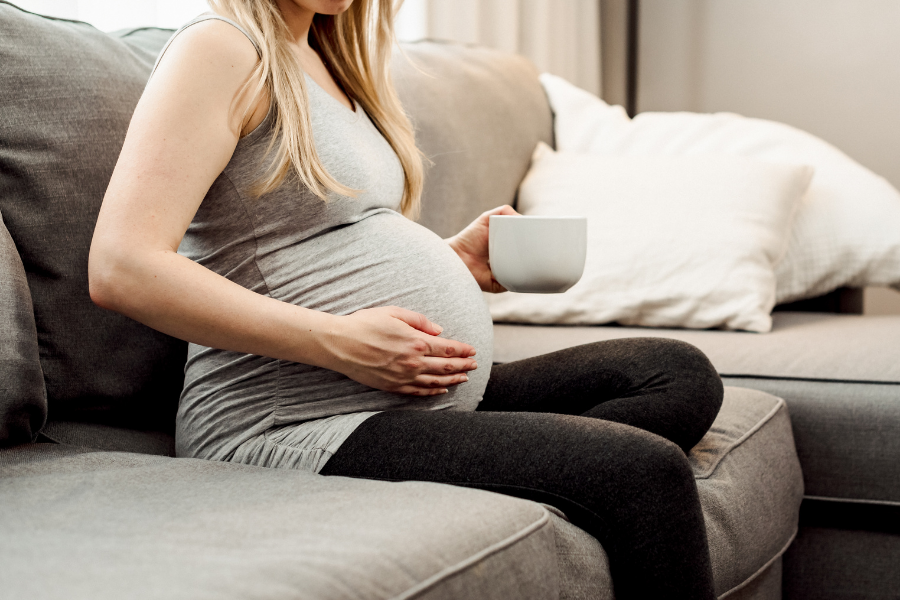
(687, 241)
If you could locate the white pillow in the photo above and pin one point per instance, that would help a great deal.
(847, 232)
(672, 241)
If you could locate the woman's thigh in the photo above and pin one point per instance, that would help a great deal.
(632, 490)
(660, 385)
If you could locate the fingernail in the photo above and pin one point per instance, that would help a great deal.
(474, 365)
(444, 391)
(465, 377)
(439, 329)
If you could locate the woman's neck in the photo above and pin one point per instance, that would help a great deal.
(298, 21)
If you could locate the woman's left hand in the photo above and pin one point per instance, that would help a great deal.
(471, 244)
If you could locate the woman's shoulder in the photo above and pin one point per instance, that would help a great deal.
(212, 48)
(204, 70)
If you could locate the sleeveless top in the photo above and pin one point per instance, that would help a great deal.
(336, 256)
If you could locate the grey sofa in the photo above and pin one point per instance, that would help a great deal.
(93, 505)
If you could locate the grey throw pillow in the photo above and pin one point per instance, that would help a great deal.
(67, 92)
(23, 401)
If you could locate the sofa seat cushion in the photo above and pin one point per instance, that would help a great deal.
(750, 487)
(839, 374)
(86, 524)
(110, 524)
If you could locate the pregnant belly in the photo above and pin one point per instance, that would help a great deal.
(383, 260)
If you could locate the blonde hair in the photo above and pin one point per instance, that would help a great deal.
(356, 48)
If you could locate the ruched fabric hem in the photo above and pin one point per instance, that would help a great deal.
(306, 445)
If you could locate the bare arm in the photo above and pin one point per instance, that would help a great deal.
(182, 135)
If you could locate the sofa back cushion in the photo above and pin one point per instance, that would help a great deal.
(67, 92)
(478, 114)
(23, 401)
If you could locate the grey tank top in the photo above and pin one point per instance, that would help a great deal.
(336, 256)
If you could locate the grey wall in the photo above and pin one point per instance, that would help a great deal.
(831, 67)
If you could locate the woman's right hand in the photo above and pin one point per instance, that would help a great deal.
(397, 350)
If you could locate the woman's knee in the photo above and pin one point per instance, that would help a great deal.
(693, 388)
(694, 375)
(705, 380)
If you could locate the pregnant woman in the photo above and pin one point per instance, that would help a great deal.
(259, 211)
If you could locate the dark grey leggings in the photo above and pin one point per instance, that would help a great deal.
(599, 431)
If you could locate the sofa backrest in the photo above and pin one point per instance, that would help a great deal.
(67, 92)
(478, 113)
(23, 399)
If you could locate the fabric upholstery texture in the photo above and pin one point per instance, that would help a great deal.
(750, 488)
(582, 562)
(97, 525)
(838, 564)
(813, 346)
(319, 532)
(765, 586)
(673, 241)
(478, 115)
(23, 399)
(751, 498)
(105, 437)
(838, 373)
(67, 92)
(846, 435)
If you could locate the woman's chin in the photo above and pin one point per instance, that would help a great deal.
(325, 7)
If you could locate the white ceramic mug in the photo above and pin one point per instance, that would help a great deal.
(538, 255)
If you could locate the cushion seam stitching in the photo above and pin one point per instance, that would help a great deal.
(811, 379)
(749, 433)
(863, 501)
(759, 571)
(472, 560)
